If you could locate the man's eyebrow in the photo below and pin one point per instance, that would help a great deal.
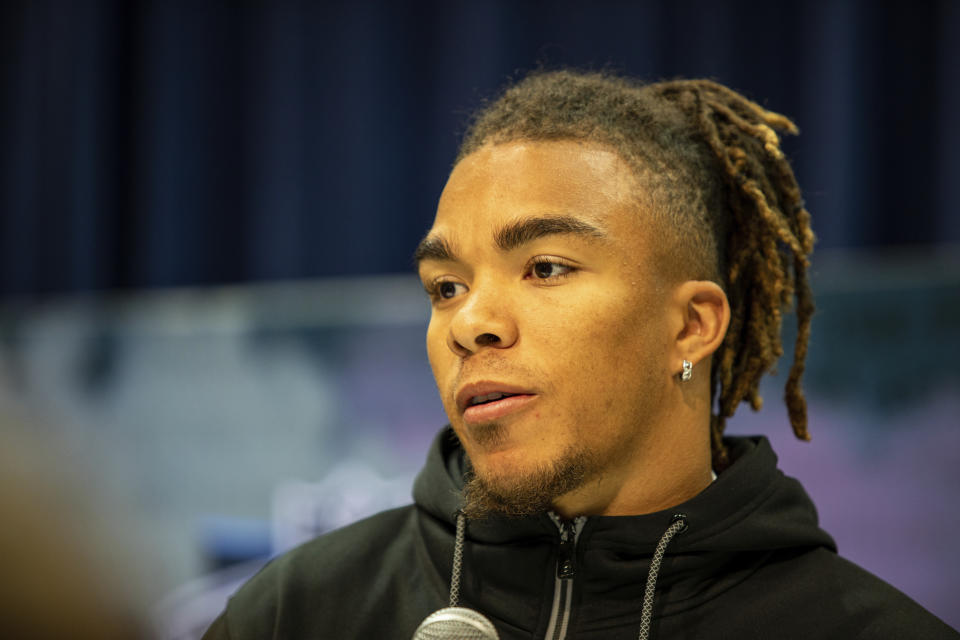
(517, 234)
(434, 247)
(511, 236)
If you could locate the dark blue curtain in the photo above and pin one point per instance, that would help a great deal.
(168, 143)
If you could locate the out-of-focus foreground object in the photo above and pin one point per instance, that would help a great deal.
(66, 571)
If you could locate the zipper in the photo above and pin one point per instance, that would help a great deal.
(565, 573)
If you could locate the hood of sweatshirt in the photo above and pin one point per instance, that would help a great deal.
(751, 512)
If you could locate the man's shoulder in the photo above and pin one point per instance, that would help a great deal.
(886, 611)
(835, 596)
(312, 587)
(348, 544)
(353, 549)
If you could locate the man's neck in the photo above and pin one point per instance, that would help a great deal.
(667, 469)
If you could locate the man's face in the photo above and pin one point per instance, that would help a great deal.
(540, 270)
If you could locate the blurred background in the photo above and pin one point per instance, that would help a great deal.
(207, 212)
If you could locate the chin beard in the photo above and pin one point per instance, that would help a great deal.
(527, 494)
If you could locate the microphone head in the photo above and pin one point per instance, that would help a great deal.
(456, 623)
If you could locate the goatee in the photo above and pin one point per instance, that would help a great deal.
(527, 494)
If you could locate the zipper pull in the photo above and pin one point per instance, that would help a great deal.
(566, 567)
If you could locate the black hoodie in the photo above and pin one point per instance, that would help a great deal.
(751, 563)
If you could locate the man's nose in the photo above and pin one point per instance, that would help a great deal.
(484, 319)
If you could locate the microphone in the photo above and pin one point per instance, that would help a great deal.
(456, 623)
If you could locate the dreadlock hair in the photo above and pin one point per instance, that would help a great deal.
(724, 198)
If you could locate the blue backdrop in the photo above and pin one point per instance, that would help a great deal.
(168, 143)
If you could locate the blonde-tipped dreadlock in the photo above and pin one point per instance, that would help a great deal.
(729, 205)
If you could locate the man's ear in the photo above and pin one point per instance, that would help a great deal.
(703, 315)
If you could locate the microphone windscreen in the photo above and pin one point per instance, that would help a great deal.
(456, 623)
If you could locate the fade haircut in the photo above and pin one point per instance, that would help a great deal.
(711, 174)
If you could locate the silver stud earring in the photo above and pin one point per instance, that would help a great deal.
(687, 372)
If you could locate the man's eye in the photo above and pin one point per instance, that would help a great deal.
(549, 269)
(449, 289)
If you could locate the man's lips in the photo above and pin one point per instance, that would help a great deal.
(497, 409)
(486, 400)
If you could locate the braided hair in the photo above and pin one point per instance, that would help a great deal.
(710, 168)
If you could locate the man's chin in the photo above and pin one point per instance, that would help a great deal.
(509, 491)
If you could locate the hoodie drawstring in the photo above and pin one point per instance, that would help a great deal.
(646, 617)
(457, 559)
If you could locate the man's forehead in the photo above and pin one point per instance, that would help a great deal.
(554, 174)
(506, 195)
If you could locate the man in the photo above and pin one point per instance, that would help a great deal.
(608, 263)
